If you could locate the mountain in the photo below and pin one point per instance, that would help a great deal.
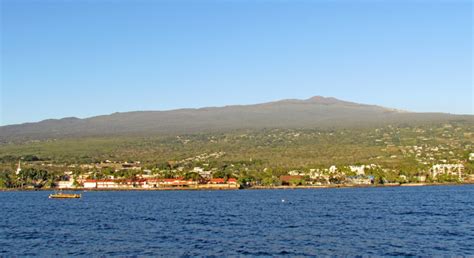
(292, 113)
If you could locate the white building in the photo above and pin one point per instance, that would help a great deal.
(332, 169)
(103, 183)
(296, 173)
(359, 170)
(471, 156)
(66, 184)
(449, 169)
(203, 173)
(90, 184)
(198, 169)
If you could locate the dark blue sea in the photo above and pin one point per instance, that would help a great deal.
(423, 221)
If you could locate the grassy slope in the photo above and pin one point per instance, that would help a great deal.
(275, 148)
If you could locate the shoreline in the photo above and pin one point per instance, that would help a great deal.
(234, 189)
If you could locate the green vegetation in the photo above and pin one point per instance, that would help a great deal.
(402, 153)
(30, 177)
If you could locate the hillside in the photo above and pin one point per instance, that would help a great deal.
(317, 111)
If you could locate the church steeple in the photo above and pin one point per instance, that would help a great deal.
(18, 170)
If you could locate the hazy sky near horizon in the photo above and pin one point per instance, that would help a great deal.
(85, 58)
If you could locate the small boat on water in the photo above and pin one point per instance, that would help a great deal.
(64, 196)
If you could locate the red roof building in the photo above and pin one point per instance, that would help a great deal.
(232, 181)
(217, 181)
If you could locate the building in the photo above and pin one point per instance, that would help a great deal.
(90, 183)
(471, 156)
(102, 183)
(137, 183)
(205, 174)
(167, 182)
(66, 184)
(447, 169)
(232, 181)
(220, 183)
(359, 170)
(177, 182)
(152, 183)
(215, 181)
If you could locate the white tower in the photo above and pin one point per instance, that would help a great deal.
(18, 170)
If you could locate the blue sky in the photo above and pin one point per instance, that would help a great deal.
(86, 58)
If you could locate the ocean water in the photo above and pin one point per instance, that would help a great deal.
(424, 221)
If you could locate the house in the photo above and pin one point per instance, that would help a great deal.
(471, 156)
(447, 169)
(220, 183)
(90, 183)
(232, 181)
(167, 182)
(152, 183)
(215, 181)
(173, 182)
(101, 183)
(66, 183)
(332, 169)
(107, 183)
(137, 183)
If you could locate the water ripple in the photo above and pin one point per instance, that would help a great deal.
(424, 221)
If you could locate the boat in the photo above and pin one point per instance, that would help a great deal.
(64, 196)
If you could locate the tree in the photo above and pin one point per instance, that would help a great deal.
(35, 177)
(445, 178)
(296, 181)
(225, 172)
(6, 180)
(245, 181)
(271, 181)
(193, 176)
(31, 158)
